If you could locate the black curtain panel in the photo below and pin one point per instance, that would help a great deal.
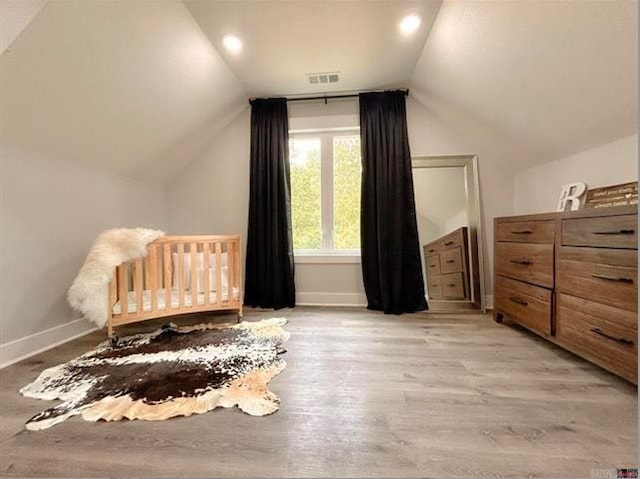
(269, 279)
(391, 266)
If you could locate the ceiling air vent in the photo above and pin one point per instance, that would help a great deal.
(320, 78)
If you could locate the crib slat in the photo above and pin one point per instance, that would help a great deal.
(147, 263)
(218, 274)
(138, 285)
(206, 259)
(231, 269)
(113, 296)
(159, 270)
(123, 289)
(181, 275)
(152, 271)
(193, 249)
(239, 274)
(168, 270)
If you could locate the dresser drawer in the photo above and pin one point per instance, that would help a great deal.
(600, 333)
(526, 232)
(528, 262)
(431, 248)
(451, 240)
(433, 265)
(434, 287)
(602, 232)
(608, 276)
(451, 261)
(452, 286)
(523, 303)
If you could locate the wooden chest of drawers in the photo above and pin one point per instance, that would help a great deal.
(573, 278)
(447, 266)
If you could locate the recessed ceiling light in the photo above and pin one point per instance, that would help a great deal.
(232, 43)
(410, 24)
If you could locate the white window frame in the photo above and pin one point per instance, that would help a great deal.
(326, 254)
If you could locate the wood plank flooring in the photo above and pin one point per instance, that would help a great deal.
(364, 395)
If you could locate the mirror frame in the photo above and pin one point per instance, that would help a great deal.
(472, 189)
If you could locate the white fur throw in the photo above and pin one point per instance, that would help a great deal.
(89, 291)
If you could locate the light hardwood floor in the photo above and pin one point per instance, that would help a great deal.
(364, 395)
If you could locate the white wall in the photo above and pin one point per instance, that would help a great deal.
(536, 190)
(429, 136)
(458, 220)
(50, 213)
(211, 195)
(439, 195)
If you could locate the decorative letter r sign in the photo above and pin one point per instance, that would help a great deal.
(571, 193)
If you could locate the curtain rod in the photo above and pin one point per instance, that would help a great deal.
(327, 97)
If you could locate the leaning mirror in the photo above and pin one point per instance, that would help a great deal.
(449, 230)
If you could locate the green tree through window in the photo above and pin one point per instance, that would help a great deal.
(325, 191)
(306, 205)
(347, 169)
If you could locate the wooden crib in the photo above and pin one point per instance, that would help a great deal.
(166, 283)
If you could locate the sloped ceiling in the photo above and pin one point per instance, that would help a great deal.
(15, 15)
(135, 88)
(283, 41)
(532, 81)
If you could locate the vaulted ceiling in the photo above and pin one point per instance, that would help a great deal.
(132, 87)
(141, 88)
(283, 41)
(532, 81)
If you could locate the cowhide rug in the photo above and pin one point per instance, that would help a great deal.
(170, 372)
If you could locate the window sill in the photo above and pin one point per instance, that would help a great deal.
(326, 258)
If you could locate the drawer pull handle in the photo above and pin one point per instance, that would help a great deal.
(448, 243)
(619, 232)
(431, 250)
(451, 285)
(521, 261)
(450, 261)
(626, 342)
(613, 278)
(519, 301)
(432, 266)
(522, 232)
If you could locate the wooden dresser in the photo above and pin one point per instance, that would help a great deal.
(447, 266)
(573, 278)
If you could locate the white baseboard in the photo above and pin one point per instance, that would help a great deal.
(347, 299)
(331, 299)
(489, 301)
(22, 348)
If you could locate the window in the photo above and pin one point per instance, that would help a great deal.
(325, 192)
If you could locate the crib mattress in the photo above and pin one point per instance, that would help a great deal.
(175, 299)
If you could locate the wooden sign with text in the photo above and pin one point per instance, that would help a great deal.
(616, 195)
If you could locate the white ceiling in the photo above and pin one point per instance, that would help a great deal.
(141, 88)
(130, 87)
(15, 15)
(532, 81)
(285, 40)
